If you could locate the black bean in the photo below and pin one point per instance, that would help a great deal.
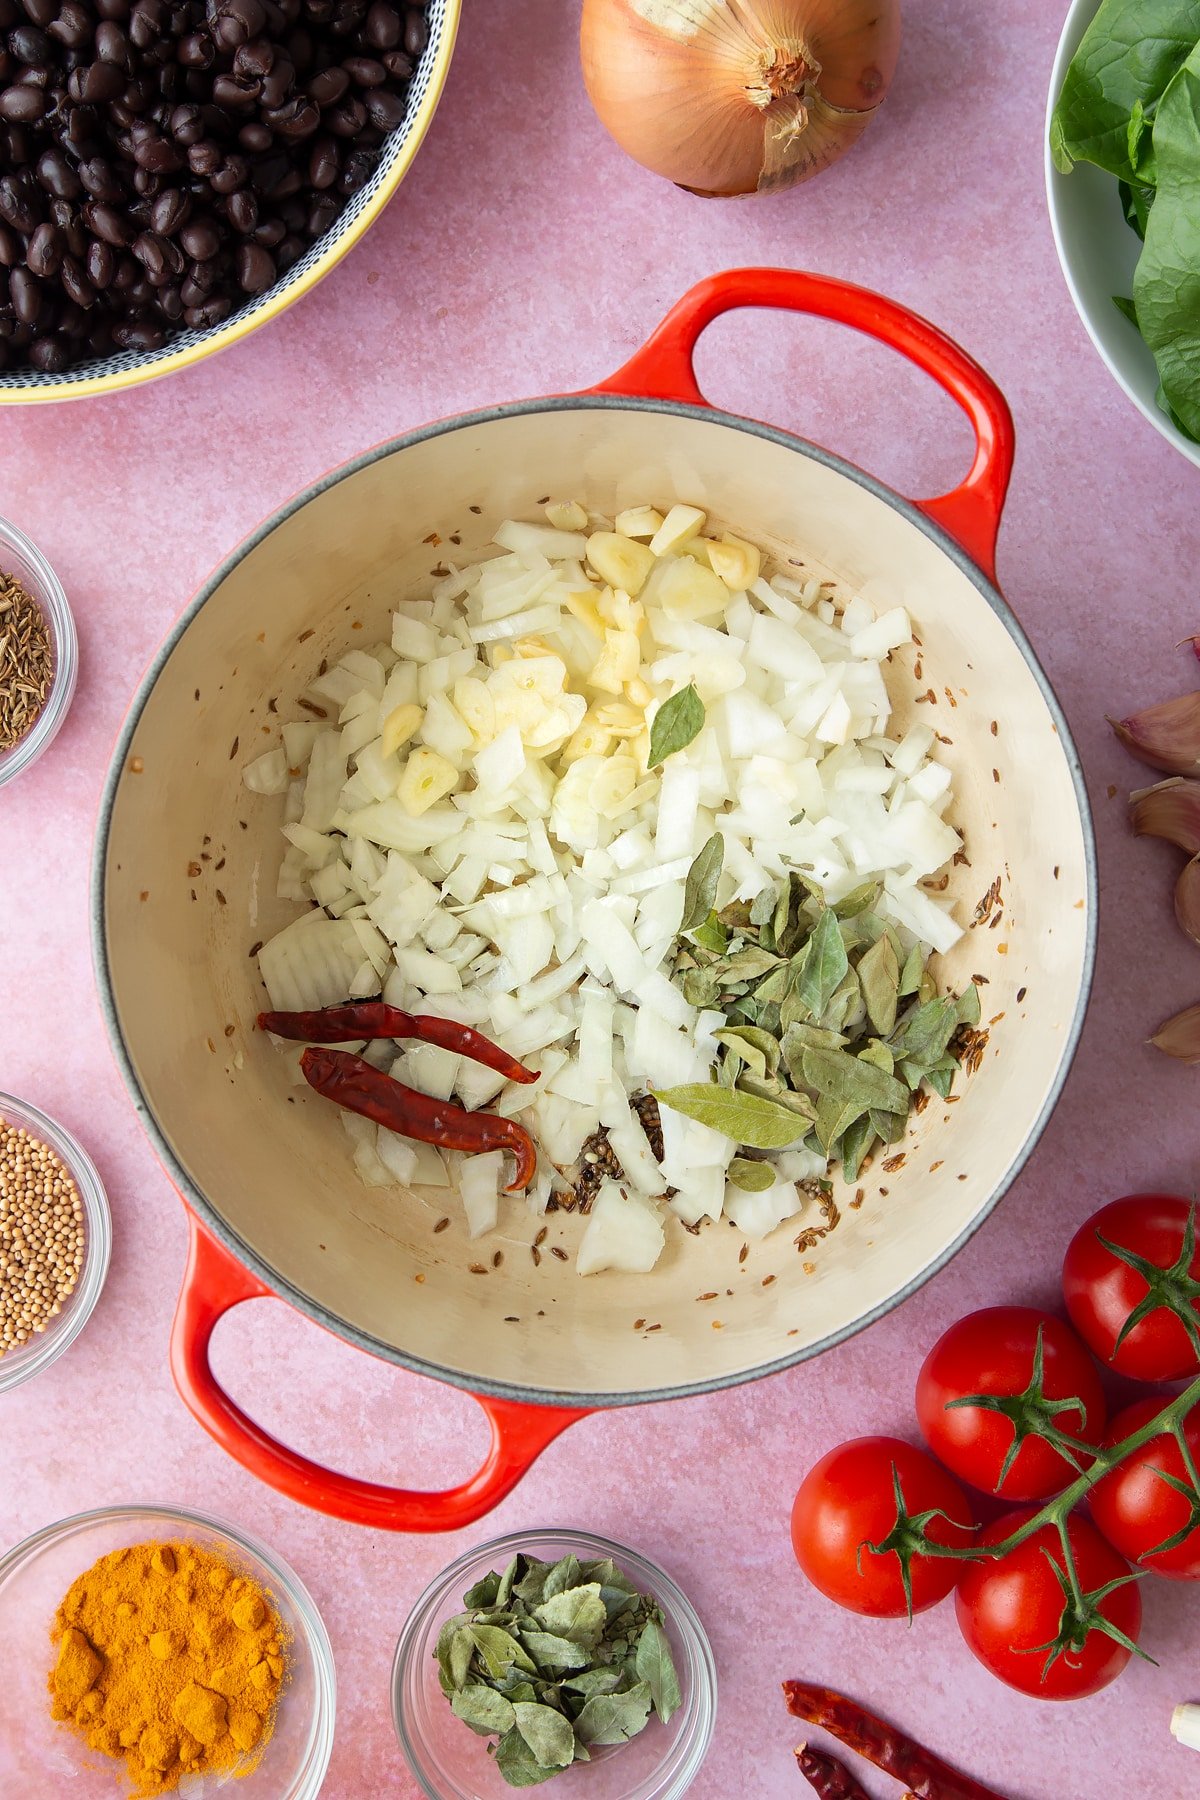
(11, 250)
(41, 12)
(25, 293)
(58, 175)
(170, 303)
(327, 88)
(209, 313)
(23, 103)
(416, 31)
(359, 167)
(323, 164)
(100, 82)
(170, 210)
(255, 137)
(235, 91)
(200, 239)
(385, 109)
(100, 179)
(107, 223)
(73, 26)
(242, 211)
(278, 84)
(255, 268)
(233, 173)
(254, 60)
(346, 119)
(44, 251)
(365, 71)
(324, 212)
(297, 119)
(187, 124)
(205, 157)
(76, 284)
(139, 334)
(17, 205)
(384, 26)
(197, 51)
(269, 232)
(30, 44)
(112, 46)
(101, 264)
(290, 251)
(49, 354)
(158, 155)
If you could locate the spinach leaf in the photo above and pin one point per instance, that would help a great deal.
(1130, 54)
(1166, 284)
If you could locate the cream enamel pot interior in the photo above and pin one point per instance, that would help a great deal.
(275, 1205)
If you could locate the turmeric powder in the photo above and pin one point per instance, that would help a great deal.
(169, 1659)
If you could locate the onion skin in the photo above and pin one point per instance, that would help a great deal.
(728, 97)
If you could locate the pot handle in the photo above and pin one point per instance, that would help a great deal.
(213, 1282)
(663, 370)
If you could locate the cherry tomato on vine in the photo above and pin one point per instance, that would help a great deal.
(1027, 1367)
(1137, 1509)
(1017, 1615)
(848, 1500)
(1131, 1279)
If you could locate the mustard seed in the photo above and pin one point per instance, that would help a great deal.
(42, 1236)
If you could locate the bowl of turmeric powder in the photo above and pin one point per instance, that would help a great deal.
(149, 1651)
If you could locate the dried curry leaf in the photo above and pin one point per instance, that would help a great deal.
(677, 722)
(746, 1118)
(751, 1176)
(879, 979)
(825, 966)
(703, 879)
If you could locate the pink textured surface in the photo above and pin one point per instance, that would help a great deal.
(525, 254)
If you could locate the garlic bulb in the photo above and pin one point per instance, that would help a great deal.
(729, 97)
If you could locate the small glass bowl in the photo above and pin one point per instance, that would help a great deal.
(451, 1763)
(20, 1364)
(24, 560)
(39, 1756)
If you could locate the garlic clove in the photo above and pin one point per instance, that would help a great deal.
(1166, 736)
(400, 725)
(567, 515)
(736, 562)
(639, 521)
(680, 524)
(1180, 1037)
(620, 561)
(1187, 900)
(1170, 810)
(1185, 1725)
(426, 779)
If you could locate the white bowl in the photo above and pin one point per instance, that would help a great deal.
(1098, 251)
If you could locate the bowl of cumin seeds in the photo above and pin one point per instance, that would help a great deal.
(39, 653)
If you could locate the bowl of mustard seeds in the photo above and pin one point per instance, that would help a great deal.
(55, 1240)
(39, 653)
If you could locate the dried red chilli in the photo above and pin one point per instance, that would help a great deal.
(926, 1775)
(358, 1019)
(827, 1777)
(352, 1083)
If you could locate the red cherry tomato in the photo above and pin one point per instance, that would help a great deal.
(848, 1500)
(994, 1353)
(1102, 1289)
(1010, 1610)
(1136, 1509)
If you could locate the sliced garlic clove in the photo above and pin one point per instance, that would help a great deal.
(618, 662)
(583, 607)
(639, 521)
(427, 778)
(736, 562)
(1180, 1036)
(1187, 900)
(1170, 810)
(680, 524)
(474, 704)
(401, 724)
(1166, 736)
(567, 515)
(620, 561)
(688, 590)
